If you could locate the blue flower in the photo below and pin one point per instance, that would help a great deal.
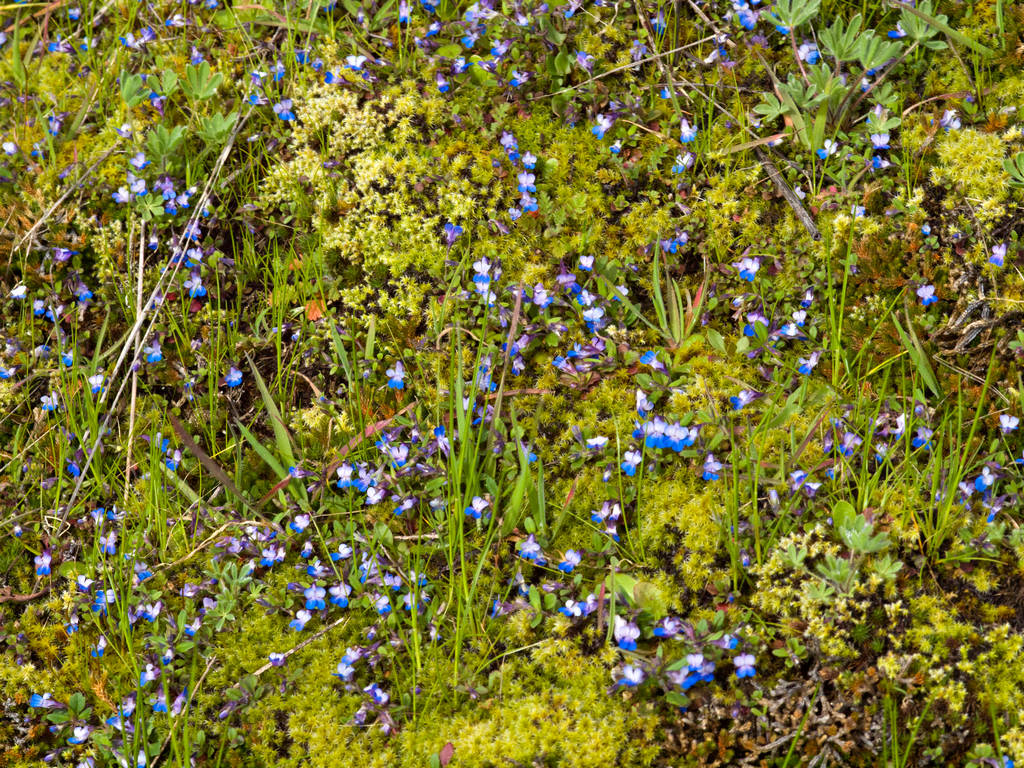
(42, 562)
(712, 467)
(569, 561)
(927, 294)
(687, 132)
(748, 267)
(744, 665)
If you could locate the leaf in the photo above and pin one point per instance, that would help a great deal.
(445, 755)
(917, 353)
(450, 51)
(562, 63)
(945, 29)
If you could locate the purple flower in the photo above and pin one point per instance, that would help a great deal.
(451, 233)
(529, 549)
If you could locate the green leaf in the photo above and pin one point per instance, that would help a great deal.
(132, 90)
(944, 28)
(562, 63)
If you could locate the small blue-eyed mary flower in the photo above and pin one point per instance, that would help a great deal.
(569, 561)
(283, 109)
(1008, 423)
(571, 609)
(923, 439)
(683, 162)
(630, 676)
(604, 124)
(42, 562)
(108, 543)
(451, 233)
(379, 695)
(44, 701)
(744, 665)
(233, 377)
(808, 52)
(927, 294)
(149, 674)
(998, 254)
(712, 467)
(748, 267)
(985, 480)
(687, 132)
(743, 399)
(80, 734)
(344, 671)
(626, 634)
(194, 286)
(807, 364)
(314, 597)
(828, 149)
(630, 461)
(529, 549)
(950, 120)
(302, 618)
(339, 594)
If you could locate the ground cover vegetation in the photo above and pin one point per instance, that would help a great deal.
(512, 383)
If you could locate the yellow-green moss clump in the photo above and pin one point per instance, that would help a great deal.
(551, 703)
(378, 180)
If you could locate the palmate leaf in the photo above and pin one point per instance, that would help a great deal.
(840, 39)
(793, 13)
(873, 51)
(1015, 167)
